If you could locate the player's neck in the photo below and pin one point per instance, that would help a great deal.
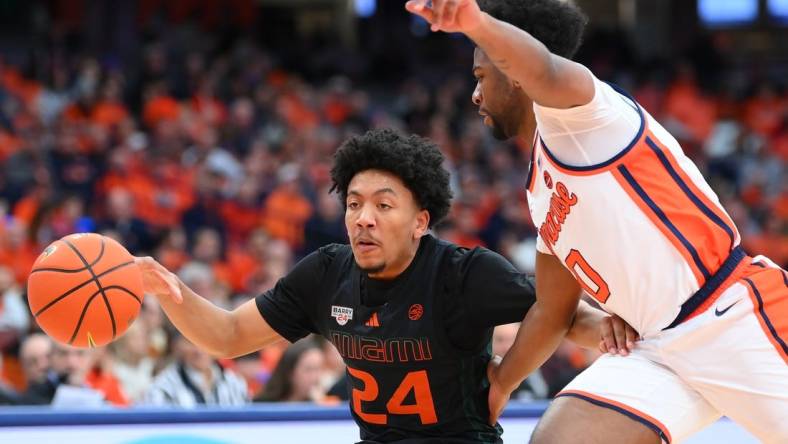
(527, 130)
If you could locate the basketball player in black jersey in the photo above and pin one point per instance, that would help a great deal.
(411, 315)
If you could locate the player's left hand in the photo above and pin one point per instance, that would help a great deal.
(447, 15)
(618, 337)
(498, 396)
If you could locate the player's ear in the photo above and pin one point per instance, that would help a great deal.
(422, 223)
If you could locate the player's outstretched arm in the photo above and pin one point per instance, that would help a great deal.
(544, 326)
(548, 79)
(220, 332)
(593, 328)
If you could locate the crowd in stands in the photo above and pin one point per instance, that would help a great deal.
(216, 164)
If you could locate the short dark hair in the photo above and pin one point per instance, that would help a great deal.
(558, 25)
(415, 160)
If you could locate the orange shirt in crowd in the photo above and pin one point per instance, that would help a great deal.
(765, 115)
(241, 266)
(160, 108)
(239, 219)
(160, 201)
(9, 144)
(686, 103)
(212, 111)
(107, 384)
(109, 114)
(774, 246)
(20, 260)
(285, 214)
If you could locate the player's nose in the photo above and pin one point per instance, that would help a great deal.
(476, 97)
(366, 217)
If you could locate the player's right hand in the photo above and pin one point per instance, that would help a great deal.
(157, 280)
(498, 396)
(618, 337)
(447, 15)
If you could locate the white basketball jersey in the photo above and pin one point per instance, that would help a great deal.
(641, 232)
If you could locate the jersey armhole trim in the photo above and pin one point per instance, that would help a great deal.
(591, 169)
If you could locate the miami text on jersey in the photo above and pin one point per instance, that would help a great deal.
(381, 350)
(561, 203)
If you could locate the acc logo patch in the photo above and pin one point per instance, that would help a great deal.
(548, 180)
(415, 312)
(341, 314)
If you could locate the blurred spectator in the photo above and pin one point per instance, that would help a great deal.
(251, 369)
(133, 367)
(133, 231)
(195, 378)
(297, 376)
(101, 377)
(14, 314)
(17, 251)
(286, 210)
(327, 224)
(70, 367)
(35, 354)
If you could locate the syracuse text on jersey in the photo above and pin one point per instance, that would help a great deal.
(561, 203)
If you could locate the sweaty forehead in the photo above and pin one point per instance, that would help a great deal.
(480, 59)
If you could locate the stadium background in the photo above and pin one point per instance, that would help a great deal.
(201, 132)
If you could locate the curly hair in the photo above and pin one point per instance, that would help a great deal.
(415, 160)
(557, 24)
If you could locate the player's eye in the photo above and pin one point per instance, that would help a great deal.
(352, 205)
(384, 206)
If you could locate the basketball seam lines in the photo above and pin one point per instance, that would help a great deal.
(66, 270)
(90, 299)
(63, 296)
(98, 284)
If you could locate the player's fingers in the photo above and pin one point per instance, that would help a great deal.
(607, 336)
(143, 262)
(620, 335)
(420, 8)
(492, 366)
(174, 290)
(632, 336)
(602, 346)
(449, 13)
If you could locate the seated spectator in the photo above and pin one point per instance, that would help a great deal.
(195, 378)
(101, 377)
(70, 366)
(133, 366)
(14, 322)
(35, 355)
(297, 376)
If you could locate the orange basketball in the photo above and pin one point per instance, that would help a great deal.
(85, 290)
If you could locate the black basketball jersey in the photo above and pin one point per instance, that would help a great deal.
(406, 380)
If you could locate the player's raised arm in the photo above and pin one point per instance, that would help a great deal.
(220, 332)
(548, 79)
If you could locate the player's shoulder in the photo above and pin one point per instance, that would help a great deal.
(325, 258)
(332, 251)
(475, 259)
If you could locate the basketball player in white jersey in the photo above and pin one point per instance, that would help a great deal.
(625, 216)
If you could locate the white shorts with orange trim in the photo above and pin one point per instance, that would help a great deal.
(731, 359)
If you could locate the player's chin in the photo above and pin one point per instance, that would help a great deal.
(370, 266)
